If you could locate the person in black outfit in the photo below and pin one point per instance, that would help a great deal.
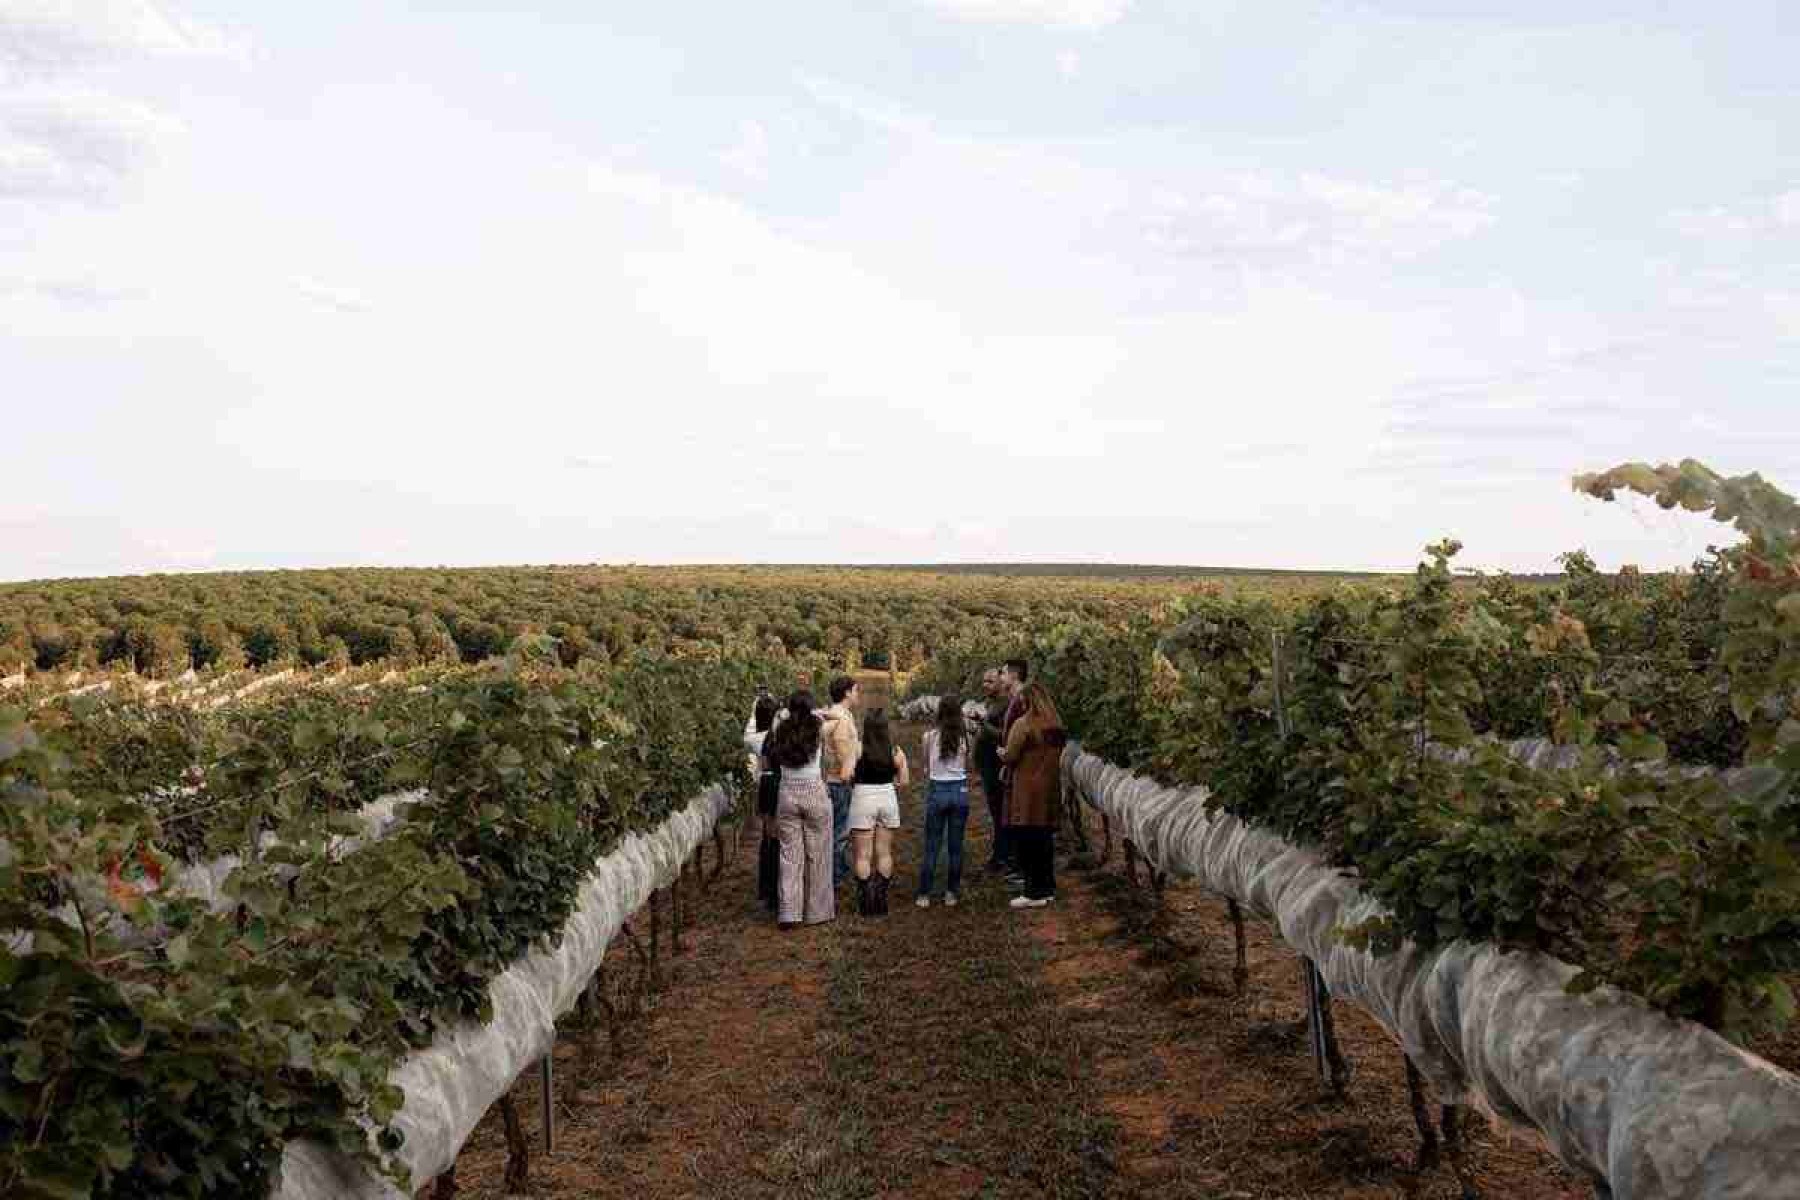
(768, 789)
(987, 760)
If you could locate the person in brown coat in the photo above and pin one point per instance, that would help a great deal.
(1034, 796)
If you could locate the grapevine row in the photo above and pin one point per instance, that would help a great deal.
(163, 626)
(1387, 749)
(151, 1046)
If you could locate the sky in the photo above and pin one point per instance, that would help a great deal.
(1264, 284)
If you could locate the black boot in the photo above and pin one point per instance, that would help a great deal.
(881, 894)
(768, 872)
(865, 898)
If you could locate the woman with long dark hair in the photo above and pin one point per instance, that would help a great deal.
(946, 799)
(802, 818)
(768, 780)
(1034, 795)
(875, 813)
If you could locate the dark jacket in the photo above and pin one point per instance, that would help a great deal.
(987, 738)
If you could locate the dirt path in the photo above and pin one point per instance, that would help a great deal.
(1215, 1094)
(701, 1101)
(1095, 1048)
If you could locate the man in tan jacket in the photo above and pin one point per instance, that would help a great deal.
(842, 747)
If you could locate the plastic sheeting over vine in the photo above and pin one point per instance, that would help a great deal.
(1660, 1109)
(206, 880)
(919, 708)
(924, 708)
(453, 1081)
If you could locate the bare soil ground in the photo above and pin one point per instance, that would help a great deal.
(1093, 1049)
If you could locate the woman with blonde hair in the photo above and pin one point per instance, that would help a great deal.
(1033, 751)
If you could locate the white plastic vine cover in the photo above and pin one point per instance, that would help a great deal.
(205, 880)
(1661, 1109)
(919, 708)
(452, 1082)
(924, 708)
(1542, 754)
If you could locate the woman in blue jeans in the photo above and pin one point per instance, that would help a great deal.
(946, 800)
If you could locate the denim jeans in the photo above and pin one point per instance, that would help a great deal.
(946, 815)
(840, 830)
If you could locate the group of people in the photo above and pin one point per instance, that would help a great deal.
(828, 800)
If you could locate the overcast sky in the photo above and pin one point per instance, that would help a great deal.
(1267, 283)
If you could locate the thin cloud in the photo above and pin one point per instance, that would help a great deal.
(835, 96)
(330, 297)
(1233, 218)
(71, 293)
(1263, 218)
(1787, 208)
(64, 137)
(1057, 14)
(1784, 310)
(749, 155)
(1742, 224)
(63, 34)
(75, 142)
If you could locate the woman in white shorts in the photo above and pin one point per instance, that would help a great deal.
(875, 813)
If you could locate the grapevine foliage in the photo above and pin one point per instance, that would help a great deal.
(151, 1047)
(1374, 723)
(162, 626)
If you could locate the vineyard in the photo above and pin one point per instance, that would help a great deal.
(299, 870)
(162, 627)
(214, 949)
(1601, 773)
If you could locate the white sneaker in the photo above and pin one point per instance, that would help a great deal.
(925, 902)
(949, 899)
(1028, 902)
